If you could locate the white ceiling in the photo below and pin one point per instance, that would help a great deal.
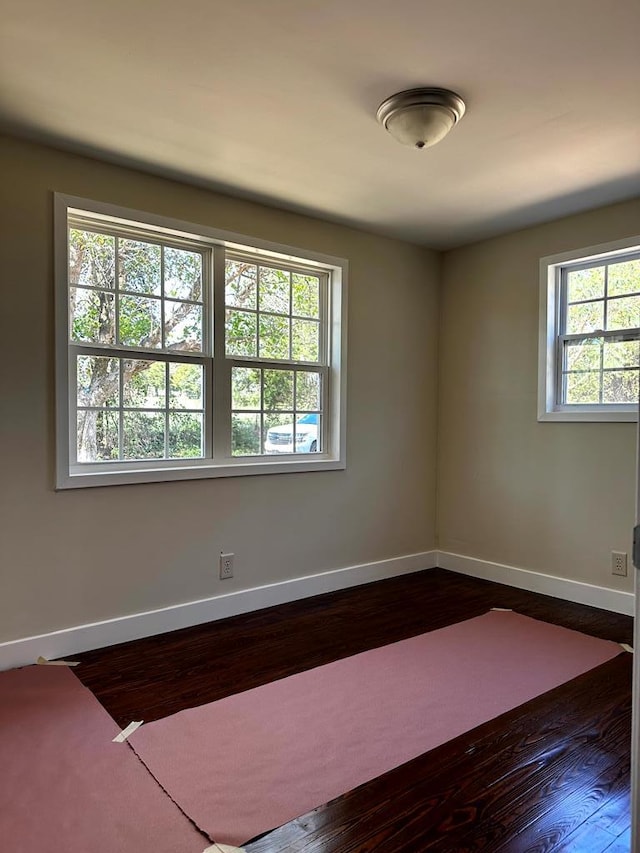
(276, 99)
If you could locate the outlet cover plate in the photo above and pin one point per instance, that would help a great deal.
(619, 563)
(226, 566)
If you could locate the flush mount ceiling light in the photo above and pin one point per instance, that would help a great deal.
(421, 117)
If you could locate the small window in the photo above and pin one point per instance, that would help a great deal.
(590, 334)
(185, 352)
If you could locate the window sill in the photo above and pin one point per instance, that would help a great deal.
(80, 477)
(580, 415)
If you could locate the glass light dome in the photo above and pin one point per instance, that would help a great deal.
(421, 117)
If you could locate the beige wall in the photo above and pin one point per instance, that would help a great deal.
(551, 497)
(77, 556)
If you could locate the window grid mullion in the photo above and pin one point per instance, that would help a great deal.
(162, 303)
(295, 410)
(219, 408)
(166, 410)
(116, 289)
(290, 318)
(121, 409)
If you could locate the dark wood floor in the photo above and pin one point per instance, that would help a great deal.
(552, 775)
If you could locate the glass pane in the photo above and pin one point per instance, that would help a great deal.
(582, 387)
(307, 390)
(98, 380)
(623, 313)
(622, 354)
(245, 435)
(182, 326)
(139, 267)
(185, 435)
(620, 386)
(306, 295)
(585, 284)
(240, 333)
(274, 336)
(278, 433)
(143, 384)
(240, 284)
(97, 436)
(91, 259)
(92, 316)
(588, 317)
(185, 386)
(278, 389)
(624, 278)
(139, 322)
(308, 434)
(182, 274)
(274, 290)
(143, 435)
(305, 343)
(582, 355)
(245, 388)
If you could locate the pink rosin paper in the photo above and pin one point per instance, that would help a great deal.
(253, 761)
(65, 787)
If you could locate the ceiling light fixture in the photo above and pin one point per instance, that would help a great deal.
(421, 117)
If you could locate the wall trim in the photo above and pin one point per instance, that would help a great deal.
(109, 632)
(570, 590)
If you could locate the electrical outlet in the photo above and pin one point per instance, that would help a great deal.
(226, 566)
(619, 563)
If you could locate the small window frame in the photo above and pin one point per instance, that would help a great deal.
(215, 243)
(552, 325)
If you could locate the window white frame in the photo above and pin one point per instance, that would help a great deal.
(552, 273)
(218, 461)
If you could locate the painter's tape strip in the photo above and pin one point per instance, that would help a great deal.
(223, 848)
(503, 609)
(125, 733)
(44, 662)
(627, 647)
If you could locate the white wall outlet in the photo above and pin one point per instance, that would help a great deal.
(226, 566)
(619, 563)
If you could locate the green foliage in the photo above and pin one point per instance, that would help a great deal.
(624, 278)
(585, 284)
(185, 435)
(91, 259)
(306, 295)
(139, 322)
(274, 336)
(277, 390)
(183, 274)
(305, 343)
(275, 290)
(143, 435)
(240, 333)
(245, 434)
(185, 386)
(140, 266)
(144, 384)
(308, 391)
(241, 290)
(98, 381)
(245, 388)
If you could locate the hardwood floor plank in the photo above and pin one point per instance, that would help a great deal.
(532, 780)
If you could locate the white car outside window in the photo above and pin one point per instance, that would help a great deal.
(280, 438)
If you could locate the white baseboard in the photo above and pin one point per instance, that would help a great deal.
(570, 590)
(82, 638)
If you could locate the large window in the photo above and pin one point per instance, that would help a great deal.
(187, 352)
(590, 334)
